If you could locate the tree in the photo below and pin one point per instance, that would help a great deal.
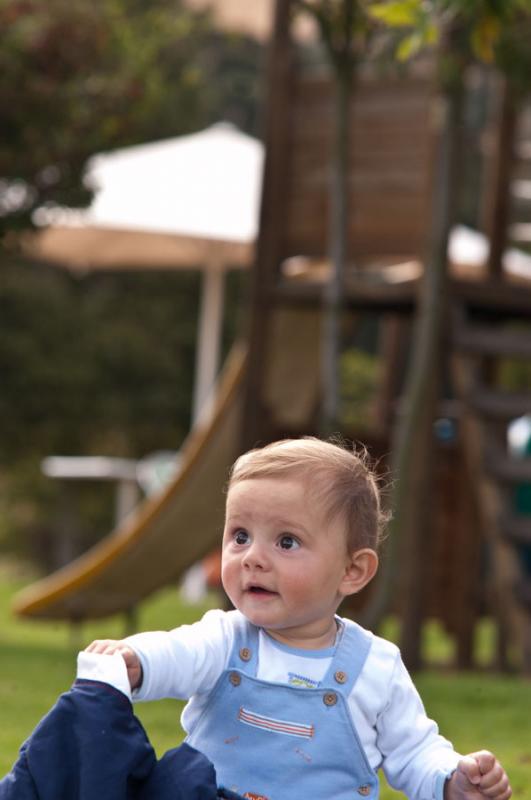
(346, 28)
(78, 77)
(461, 30)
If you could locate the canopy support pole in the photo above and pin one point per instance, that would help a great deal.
(209, 336)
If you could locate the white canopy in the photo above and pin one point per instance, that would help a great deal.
(188, 202)
(191, 201)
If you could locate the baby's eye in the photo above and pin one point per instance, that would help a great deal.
(288, 542)
(241, 537)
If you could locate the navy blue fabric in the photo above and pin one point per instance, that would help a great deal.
(90, 746)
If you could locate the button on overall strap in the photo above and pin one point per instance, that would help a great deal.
(349, 658)
(244, 655)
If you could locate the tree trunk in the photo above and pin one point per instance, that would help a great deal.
(413, 445)
(334, 290)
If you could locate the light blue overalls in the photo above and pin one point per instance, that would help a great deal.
(271, 741)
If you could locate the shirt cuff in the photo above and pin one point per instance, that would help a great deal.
(440, 780)
(109, 669)
(141, 692)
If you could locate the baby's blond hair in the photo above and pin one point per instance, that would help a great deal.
(341, 479)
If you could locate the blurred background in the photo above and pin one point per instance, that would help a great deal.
(99, 362)
(226, 222)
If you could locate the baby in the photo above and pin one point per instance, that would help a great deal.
(286, 698)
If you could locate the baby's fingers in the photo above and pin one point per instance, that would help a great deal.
(495, 784)
(484, 772)
(104, 646)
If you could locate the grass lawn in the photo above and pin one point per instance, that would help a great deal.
(37, 662)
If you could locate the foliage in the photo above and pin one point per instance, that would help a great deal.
(78, 77)
(359, 373)
(82, 376)
(81, 368)
(487, 30)
(514, 374)
(482, 24)
(513, 54)
(103, 365)
(345, 27)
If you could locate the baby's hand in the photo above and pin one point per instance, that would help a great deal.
(478, 775)
(132, 661)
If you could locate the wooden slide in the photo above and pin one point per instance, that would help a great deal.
(170, 532)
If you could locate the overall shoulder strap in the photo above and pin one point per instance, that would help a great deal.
(350, 656)
(244, 655)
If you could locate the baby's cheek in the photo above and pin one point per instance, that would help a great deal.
(299, 586)
(229, 571)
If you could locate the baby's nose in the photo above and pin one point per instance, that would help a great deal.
(255, 556)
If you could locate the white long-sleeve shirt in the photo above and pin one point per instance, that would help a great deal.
(386, 709)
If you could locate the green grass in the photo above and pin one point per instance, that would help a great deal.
(37, 663)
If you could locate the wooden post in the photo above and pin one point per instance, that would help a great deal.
(502, 603)
(342, 61)
(498, 188)
(417, 526)
(393, 333)
(268, 254)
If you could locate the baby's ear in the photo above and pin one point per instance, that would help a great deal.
(360, 570)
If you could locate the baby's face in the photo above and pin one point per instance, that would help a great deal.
(284, 566)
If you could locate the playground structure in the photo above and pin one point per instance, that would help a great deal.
(278, 392)
(144, 553)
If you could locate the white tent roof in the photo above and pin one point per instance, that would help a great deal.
(183, 201)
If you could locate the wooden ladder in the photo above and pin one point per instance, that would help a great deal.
(493, 472)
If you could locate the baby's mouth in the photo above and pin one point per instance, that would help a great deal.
(259, 590)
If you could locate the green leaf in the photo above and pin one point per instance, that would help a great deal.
(484, 38)
(431, 34)
(409, 47)
(397, 13)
